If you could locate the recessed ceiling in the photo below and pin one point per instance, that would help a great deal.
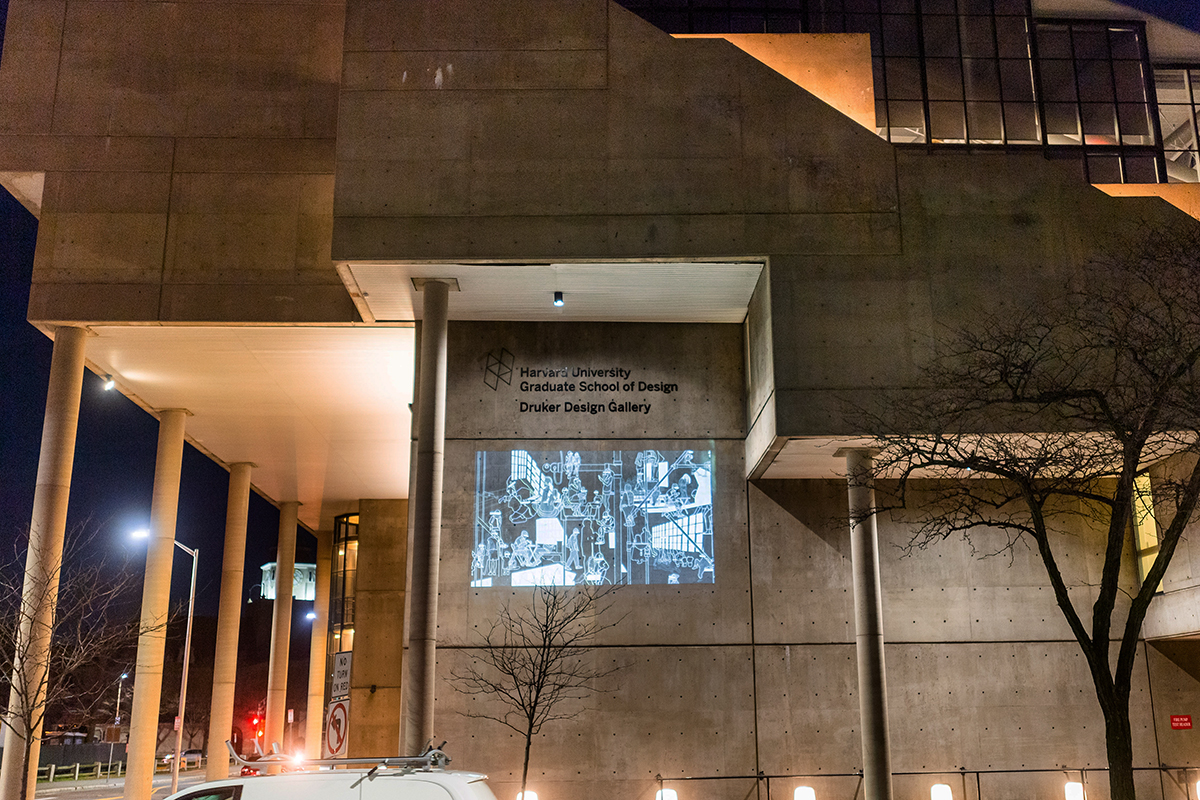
(322, 412)
(613, 292)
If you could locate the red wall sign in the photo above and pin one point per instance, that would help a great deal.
(1181, 722)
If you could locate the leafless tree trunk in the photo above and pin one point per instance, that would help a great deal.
(1038, 423)
(534, 660)
(94, 630)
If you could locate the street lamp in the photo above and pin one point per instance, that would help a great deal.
(120, 686)
(187, 656)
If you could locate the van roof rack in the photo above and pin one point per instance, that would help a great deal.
(432, 758)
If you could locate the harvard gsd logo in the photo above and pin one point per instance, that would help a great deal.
(499, 368)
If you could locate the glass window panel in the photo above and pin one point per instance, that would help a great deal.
(1099, 123)
(881, 114)
(1141, 169)
(1058, 80)
(1013, 36)
(946, 122)
(1194, 79)
(976, 7)
(944, 78)
(1131, 83)
(900, 35)
(1103, 168)
(941, 35)
(1135, 123)
(983, 122)
(1053, 41)
(938, 7)
(977, 38)
(742, 22)
(1090, 42)
(1170, 86)
(1011, 7)
(867, 23)
(1016, 79)
(783, 23)
(904, 78)
(906, 120)
(862, 5)
(898, 6)
(906, 114)
(1020, 123)
(821, 22)
(1182, 167)
(1095, 80)
(710, 22)
(982, 81)
(1062, 119)
(1124, 44)
(1176, 125)
(877, 75)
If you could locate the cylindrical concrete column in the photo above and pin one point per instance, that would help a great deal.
(229, 619)
(281, 626)
(868, 626)
(427, 518)
(156, 598)
(47, 530)
(314, 721)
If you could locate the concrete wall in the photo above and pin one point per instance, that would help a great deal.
(187, 152)
(757, 671)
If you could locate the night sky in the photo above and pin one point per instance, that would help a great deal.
(114, 458)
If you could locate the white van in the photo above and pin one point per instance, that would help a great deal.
(347, 784)
(406, 778)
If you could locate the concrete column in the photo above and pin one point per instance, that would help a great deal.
(375, 673)
(156, 598)
(281, 626)
(317, 659)
(47, 530)
(427, 518)
(229, 620)
(868, 625)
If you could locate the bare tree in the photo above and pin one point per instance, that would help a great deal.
(1040, 425)
(94, 629)
(535, 660)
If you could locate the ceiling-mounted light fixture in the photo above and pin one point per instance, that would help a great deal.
(109, 383)
(558, 299)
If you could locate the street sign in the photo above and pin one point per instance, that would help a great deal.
(1181, 722)
(176, 724)
(337, 726)
(291, 715)
(341, 675)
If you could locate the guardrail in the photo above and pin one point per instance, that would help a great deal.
(80, 772)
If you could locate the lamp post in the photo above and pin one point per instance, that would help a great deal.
(187, 656)
(120, 686)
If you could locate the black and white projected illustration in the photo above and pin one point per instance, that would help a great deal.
(565, 518)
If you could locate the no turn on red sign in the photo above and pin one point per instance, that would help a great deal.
(337, 728)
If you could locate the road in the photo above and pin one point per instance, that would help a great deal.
(104, 789)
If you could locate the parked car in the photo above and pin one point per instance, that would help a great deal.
(191, 758)
(347, 784)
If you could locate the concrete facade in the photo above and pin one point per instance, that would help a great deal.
(222, 163)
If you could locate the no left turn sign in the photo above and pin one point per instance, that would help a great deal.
(337, 726)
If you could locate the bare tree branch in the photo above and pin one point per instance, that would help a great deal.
(535, 660)
(1037, 424)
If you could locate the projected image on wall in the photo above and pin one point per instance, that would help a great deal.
(566, 518)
